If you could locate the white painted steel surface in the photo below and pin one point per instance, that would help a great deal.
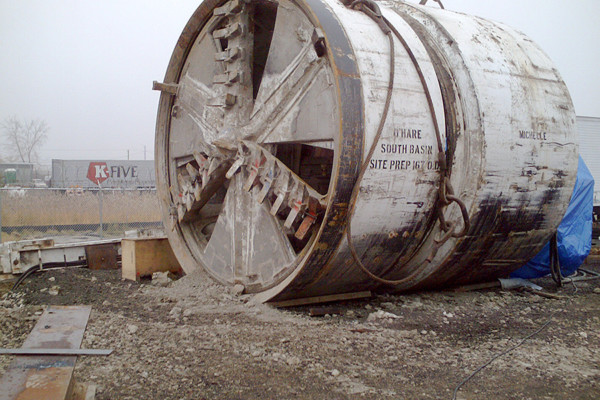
(589, 149)
(505, 115)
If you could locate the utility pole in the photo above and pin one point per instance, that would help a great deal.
(144, 152)
(127, 154)
(100, 209)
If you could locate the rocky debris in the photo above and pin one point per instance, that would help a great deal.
(381, 315)
(238, 289)
(132, 328)
(175, 312)
(292, 360)
(257, 353)
(161, 279)
(195, 339)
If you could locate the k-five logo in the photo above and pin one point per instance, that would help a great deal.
(98, 172)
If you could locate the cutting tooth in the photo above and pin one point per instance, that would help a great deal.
(281, 189)
(228, 78)
(307, 222)
(254, 170)
(221, 78)
(185, 183)
(267, 180)
(214, 164)
(309, 218)
(231, 7)
(192, 171)
(296, 201)
(293, 213)
(229, 100)
(200, 159)
(251, 179)
(235, 29)
(180, 211)
(263, 192)
(205, 178)
(277, 203)
(229, 55)
(197, 190)
(234, 167)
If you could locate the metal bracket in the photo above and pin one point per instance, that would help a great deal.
(168, 88)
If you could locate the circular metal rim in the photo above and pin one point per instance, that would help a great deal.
(345, 169)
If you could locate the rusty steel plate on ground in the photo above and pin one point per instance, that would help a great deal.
(47, 377)
(271, 112)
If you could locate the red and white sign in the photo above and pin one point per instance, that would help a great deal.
(98, 172)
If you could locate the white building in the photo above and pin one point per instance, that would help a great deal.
(589, 149)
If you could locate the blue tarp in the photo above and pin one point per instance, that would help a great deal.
(574, 232)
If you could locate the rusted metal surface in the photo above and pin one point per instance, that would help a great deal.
(47, 377)
(268, 109)
(102, 256)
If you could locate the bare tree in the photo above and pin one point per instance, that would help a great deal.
(24, 138)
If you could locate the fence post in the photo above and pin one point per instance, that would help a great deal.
(100, 209)
(0, 215)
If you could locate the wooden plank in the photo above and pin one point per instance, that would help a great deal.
(478, 286)
(321, 299)
(144, 256)
(47, 377)
(325, 310)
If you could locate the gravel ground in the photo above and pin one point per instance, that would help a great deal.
(193, 339)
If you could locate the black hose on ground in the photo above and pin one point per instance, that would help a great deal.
(554, 261)
(45, 267)
(24, 276)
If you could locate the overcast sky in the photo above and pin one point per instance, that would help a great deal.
(86, 67)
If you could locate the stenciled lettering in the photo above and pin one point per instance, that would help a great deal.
(407, 133)
(378, 164)
(533, 135)
(396, 165)
(406, 149)
(399, 164)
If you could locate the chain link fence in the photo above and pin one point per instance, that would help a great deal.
(30, 213)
